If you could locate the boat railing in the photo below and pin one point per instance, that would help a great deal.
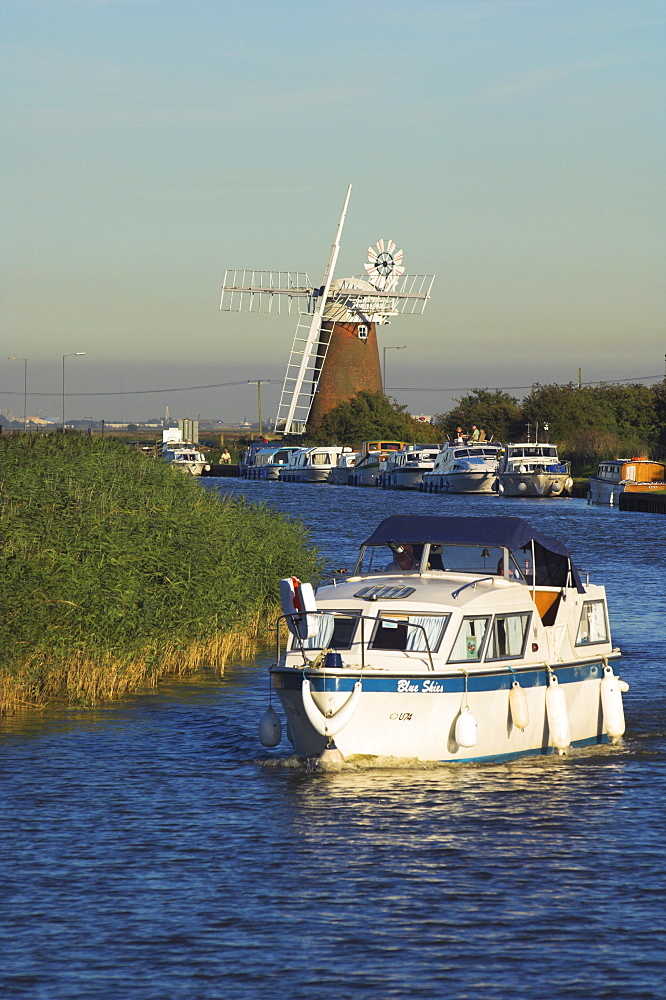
(296, 619)
(472, 583)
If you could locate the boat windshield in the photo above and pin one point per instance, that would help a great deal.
(478, 559)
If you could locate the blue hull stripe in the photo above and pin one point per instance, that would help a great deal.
(432, 683)
(536, 752)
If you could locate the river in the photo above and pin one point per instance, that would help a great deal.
(153, 849)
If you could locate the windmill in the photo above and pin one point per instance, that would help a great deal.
(334, 354)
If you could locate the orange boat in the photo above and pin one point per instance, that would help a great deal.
(626, 475)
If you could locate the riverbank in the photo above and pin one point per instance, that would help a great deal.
(119, 570)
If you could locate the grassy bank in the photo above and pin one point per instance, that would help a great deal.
(117, 569)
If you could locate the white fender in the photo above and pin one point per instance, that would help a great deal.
(329, 726)
(520, 713)
(558, 719)
(611, 703)
(298, 599)
(467, 729)
(270, 728)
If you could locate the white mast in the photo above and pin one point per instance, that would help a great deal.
(293, 385)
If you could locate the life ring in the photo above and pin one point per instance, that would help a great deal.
(300, 606)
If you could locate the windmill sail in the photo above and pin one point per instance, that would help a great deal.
(300, 382)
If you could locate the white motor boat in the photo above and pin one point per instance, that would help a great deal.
(468, 468)
(185, 457)
(625, 475)
(311, 465)
(405, 469)
(533, 470)
(478, 640)
(340, 474)
(269, 462)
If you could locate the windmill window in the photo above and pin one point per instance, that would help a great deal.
(362, 332)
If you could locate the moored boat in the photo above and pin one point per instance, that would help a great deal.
(404, 469)
(466, 468)
(268, 462)
(247, 457)
(533, 470)
(372, 453)
(186, 457)
(478, 640)
(311, 465)
(340, 474)
(625, 475)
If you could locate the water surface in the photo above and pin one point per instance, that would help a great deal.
(153, 849)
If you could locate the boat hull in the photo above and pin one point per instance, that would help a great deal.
(365, 476)
(517, 484)
(464, 482)
(607, 492)
(399, 479)
(306, 476)
(414, 716)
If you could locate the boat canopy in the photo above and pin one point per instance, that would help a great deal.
(553, 562)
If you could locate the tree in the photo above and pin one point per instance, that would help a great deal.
(594, 422)
(658, 439)
(496, 412)
(367, 416)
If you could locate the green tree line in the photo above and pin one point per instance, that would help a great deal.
(589, 424)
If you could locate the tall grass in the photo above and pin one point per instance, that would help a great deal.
(118, 569)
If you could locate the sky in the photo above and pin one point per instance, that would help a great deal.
(512, 148)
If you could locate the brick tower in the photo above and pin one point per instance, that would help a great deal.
(350, 363)
(335, 353)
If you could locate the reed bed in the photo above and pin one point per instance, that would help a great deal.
(119, 570)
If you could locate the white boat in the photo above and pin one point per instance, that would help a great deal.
(247, 457)
(311, 465)
(372, 454)
(490, 645)
(404, 469)
(269, 462)
(468, 468)
(533, 470)
(625, 475)
(186, 457)
(340, 474)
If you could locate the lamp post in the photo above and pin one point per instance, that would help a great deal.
(25, 390)
(390, 348)
(75, 354)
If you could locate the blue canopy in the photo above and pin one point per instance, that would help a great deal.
(553, 562)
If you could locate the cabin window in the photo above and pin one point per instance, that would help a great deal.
(335, 632)
(409, 633)
(593, 625)
(321, 458)
(469, 641)
(508, 636)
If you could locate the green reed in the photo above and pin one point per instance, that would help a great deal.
(116, 565)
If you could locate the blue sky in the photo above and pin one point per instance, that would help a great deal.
(513, 149)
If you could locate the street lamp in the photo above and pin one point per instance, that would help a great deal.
(25, 390)
(390, 348)
(76, 354)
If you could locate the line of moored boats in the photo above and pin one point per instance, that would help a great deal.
(521, 469)
(529, 469)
